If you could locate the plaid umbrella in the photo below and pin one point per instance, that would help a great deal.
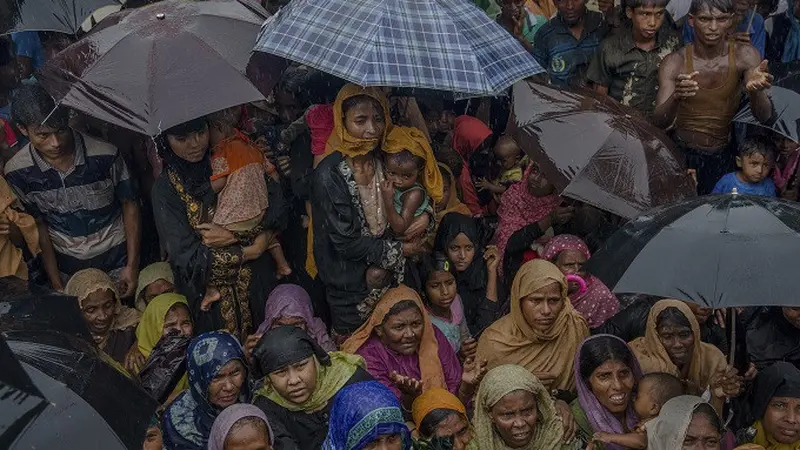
(446, 45)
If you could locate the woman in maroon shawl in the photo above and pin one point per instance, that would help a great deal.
(595, 302)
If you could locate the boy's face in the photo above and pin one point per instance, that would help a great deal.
(507, 153)
(754, 167)
(646, 20)
(402, 174)
(643, 404)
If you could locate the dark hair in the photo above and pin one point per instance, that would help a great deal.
(725, 6)
(769, 5)
(399, 307)
(356, 100)
(404, 156)
(672, 316)
(427, 428)
(757, 145)
(187, 128)
(436, 262)
(254, 421)
(665, 386)
(32, 105)
(705, 409)
(633, 4)
(228, 117)
(7, 53)
(450, 158)
(602, 349)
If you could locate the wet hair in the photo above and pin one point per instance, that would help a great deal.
(664, 386)
(705, 409)
(673, 316)
(450, 158)
(427, 428)
(601, 350)
(225, 118)
(757, 145)
(725, 6)
(356, 100)
(31, 105)
(184, 129)
(633, 4)
(399, 307)
(7, 53)
(252, 421)
(403, 157)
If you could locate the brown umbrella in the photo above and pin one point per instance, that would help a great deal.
(157, 66)
(597, 151)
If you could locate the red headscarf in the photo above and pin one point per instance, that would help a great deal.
(468, 134)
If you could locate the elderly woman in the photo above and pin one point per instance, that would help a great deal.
(112, 325)
(217, 380)
(685, 422)
(183, 202)
(403, 349)
(301, 381)
(595, 301)
(367, 416)
(775, 405)
(514, 410)
(542, 332)
(349, 216)
(474, 265)
(154, 280)
(290, 304)
(241, 426)
(672, 345)
(440, 416)
(606, 373)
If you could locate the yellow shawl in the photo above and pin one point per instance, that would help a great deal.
(11, 261)
(151, 328)
(341, 140)
(511, 340)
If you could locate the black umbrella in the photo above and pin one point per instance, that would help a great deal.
(785, 95)
(27, 307)
(718, 251)
(20, 400)
(93, 404)
(65, 16)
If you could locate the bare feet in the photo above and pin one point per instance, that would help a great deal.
(284, 269)
(212, 296)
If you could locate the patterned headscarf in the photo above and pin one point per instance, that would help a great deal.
(188, 420)
(361, 413)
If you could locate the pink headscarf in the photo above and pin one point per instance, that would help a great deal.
(291, 300)
(598, 303)
(518, 209)
(782, 177)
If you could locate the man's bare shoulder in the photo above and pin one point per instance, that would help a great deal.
(674, 61)
(746, 55)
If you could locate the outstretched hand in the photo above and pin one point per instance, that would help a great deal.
(759, 78)
(473, 371)
(409, 387)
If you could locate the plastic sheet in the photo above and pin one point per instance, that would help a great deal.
(165, 366)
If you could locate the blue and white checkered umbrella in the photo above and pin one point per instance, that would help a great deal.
(446, 45)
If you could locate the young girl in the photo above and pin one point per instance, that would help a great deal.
(444, 304)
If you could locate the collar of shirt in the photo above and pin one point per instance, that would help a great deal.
(628, 44)
(80, 156)
(592, 20)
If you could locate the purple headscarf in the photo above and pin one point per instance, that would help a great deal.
(228, 417)
(599, 417)
(291, 300)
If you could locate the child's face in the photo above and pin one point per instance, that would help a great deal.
(402, 174)
(441, 289)
(643, 403)
(507, 153)
(754, 167)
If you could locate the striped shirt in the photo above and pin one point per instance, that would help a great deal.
(82, 206)
(566, 58)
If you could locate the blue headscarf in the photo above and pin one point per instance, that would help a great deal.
(361, 413)
(187, 421)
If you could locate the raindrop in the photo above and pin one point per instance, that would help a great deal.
(160, 16)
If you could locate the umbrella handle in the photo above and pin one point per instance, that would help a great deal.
(732, 346)
(750, 23)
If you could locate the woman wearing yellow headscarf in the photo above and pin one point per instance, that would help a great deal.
(349, 215)
(440, 415)
(163, 314)
(542, 332)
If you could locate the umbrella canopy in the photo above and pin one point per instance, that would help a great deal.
(597, 151)
(160, 65)
(447, 45)
(785, 95)
(36, 309)
(92, 402)
(717, 251)
(20, 399)
(64, 16)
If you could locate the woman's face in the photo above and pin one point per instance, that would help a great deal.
(678, 340)
(153, 439)
(441, 289)
(290, 321)
(514, 418)
(612, 384)
(445, 196)
(157, 288)
(571, 263)
(782, 419)
(541, 308)
(386, 442)
(538, 185)
(365, 120)
(402, 332)
(296, 382)
(225, 388)
(247, 437)
(461, 252)
(191, 147)
(98, 311)
(457, 427)
(701, 434)
(178, 319)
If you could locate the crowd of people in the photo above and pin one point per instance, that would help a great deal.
(348, 268)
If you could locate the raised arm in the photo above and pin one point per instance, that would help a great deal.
(758, 80)
(673, 86)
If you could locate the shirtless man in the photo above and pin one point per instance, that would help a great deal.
(700, 88)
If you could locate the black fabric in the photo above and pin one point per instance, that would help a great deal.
(781, 379)
(298, 430)
(771, 338)
(194, 175)
(282, 346)
(710, 166)
(777, 39)
(479, 311)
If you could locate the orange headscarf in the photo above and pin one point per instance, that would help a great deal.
(436, 398)
(11, 258)
(342, 141)
(429, 365)
(415, 142)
